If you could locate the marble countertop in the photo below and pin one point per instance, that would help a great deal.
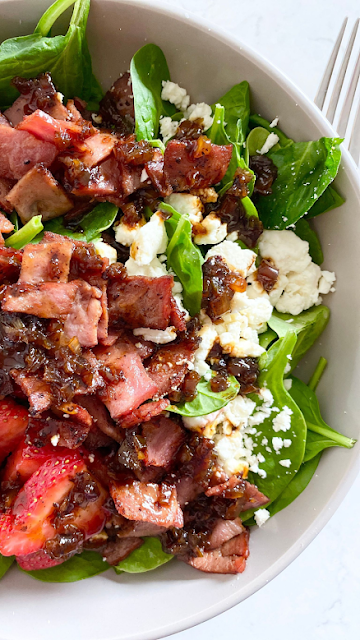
(317, 596)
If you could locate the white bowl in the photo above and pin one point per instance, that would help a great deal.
(147, 607)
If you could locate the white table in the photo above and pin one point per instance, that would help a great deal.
(318, 596)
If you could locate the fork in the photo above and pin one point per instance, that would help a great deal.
(339, 89)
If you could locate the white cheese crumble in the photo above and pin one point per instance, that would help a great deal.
(237, 259)
(301, 282)
(150, 240)
(269, 143)
(126, 235)
(214, 230)
(274, 123)
(155, 269)
(175, 94)
(287, 384)
(208, 335)
(168, 128)
(277, 443)
(156, 335)
(261, 516)
(187, 204)
(105, 250)
(285, 463)
(200, 110)
(282, 422)
(55, 439)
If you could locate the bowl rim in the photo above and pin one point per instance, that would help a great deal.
(313, 112)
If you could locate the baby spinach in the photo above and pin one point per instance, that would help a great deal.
(267, 338)
(26, 234)
(90, 227)
(146, 558)
(66, 57)
(5, 564)
(218, 135)
(317, 375)
(305, 169)
(256, 140)
(237, 107)
(306, 399)
(329, 200)
(306, 232)
(148, 68)
(184, 258)
(206, 401)
(307, 326)
(258, 121)
(316, 444)
(273, 363)
(79, 567)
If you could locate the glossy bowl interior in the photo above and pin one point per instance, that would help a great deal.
(149, 606)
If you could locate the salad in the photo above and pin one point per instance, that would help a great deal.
(161, 280)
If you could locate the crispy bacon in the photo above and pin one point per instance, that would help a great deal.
(46, 262)
(21, 151)
(190, 165)
(169, 365)
(154, 503)
(36, 93)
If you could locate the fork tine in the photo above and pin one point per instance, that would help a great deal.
(321, 94)
(354, 146)
(345, 112)
(340, 79)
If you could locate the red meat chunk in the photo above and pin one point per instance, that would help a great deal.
(46, 262)
(155, 503)
(168, 367)
(21, 151)
(195, 164)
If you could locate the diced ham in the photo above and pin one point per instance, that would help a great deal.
(119, 549)
(195, 164)
(168, 367)
(5, 227)
(229, 558)
(103, 326)
(225, 488)
(5, 188)
(96, 148)
(132, 385)
(46, 262)
(45, 300)
(163, 438)
(10, 264)
(60, 133)
(155, 171)
(38, 392)
(100, 181)
(21, 151)
(101, 417)
(69, 433)
(253, 498)
(177, 317)
(140, 529)
(144, 413)
(36, 93)
(155, 503)
(224, 530)
(38, 193)
(83, 319)
(238, 546)
(117, 106)
(140, 301)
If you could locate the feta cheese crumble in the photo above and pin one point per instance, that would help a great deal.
(214, 230)
(269, 143)
(285, 463)
(237, 259)
(124, 234)
(200, 110)
(187, 204)
(261, 516)
(156, 335)
(168, 128)
(105, 250)
(175, 94)
(55, 440)
(150, 240)
(282, 422)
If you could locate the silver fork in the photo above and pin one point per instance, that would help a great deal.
(349, 101)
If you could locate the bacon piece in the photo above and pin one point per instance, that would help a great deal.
(155, 503)
(225, 487)
(132, 385)
(224, 530)
(117, 106)
(36, 93)
(46, 262)
(253, 498)
(38, 193)
(177, 317)
(10, 264)
(101, 417)
(140, 529)
(69, 433)
(38, 392)
(83, 319)
(155, 171)
(144, 413)
(140, 301)
(119, 549)
(168, 367)
(60, 133)
(45, 300)
(5, 225)
(21, 151)
(189, 165)
(5, 188)
(229, 558)
(96, 148)
(163, 438)
(103, 326)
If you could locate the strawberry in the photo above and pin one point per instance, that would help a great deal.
(28, 526)
(13, 422)
(38, 560)
(26, 459)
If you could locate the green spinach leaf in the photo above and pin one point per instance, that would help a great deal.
(305, 169)
(256, 140)
(258, 121)
(5, 564)
(316, 444)
(146, 558)
(218, 135)
(237, 107)
(85, 565)
(184, 258)
(307, 326)
(148, 68)
(206, 400)
(267, 338)
(329, 200)
(26, 234)
(90, 226)
(306, 232)
(66, 57)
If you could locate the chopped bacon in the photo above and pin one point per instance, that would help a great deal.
(36, 93)
(187, 166)
(253, 498)
(140, 301)
(155, 171)
(101, 417)
(225, 487)
(144, 413)
(60, 133)
(117, 106)
(95, 149)
(38, 193)
(46, 262)
(69, 433)
(120, 548)
(177, 317)
(103, 326)
(10, 264)
(5, 188)
(83, 319)
(21, 151)
(224, 530)
(155, 503)
(229, 558)
(163, 438)
(38, 392)
(5, 225)
(169, 365)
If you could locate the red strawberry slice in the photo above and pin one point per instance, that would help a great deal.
(13, 422)
(38, 560)
(27, 459)
(29, 525)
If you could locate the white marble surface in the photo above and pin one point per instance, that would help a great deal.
(318, 596)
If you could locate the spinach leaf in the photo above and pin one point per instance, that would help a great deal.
(307, 326)
(258, 121)
(5, 564)
(306, 232)
(330, 199)
(26, 234)
(218, 135)
(184, 258)
(237, 107)
(307, 401)
(85, 565)
(267, 338)
(66, 57)
(146, 558)
(305, 169)
(256, 140)
(273, 363)
(317, 375)
(206, 400)
(148, 68)
(90, 226)
(316, 444)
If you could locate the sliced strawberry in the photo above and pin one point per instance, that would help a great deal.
(38, 560)
(29, 525)
(27, 459)
(13, 422)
